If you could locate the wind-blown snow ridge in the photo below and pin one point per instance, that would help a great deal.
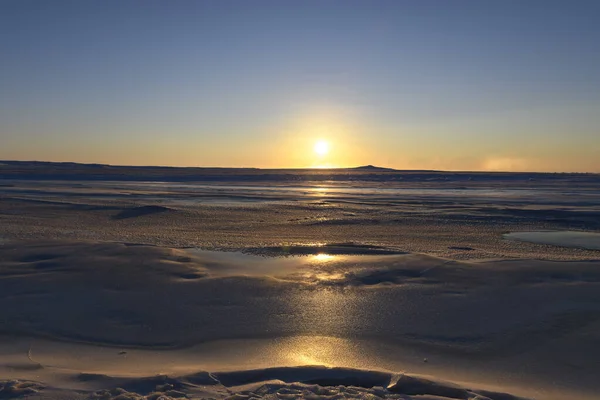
(308, 382)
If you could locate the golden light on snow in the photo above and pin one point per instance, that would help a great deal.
(321, 147)
(318, 350)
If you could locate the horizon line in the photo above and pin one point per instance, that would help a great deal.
(367, 166)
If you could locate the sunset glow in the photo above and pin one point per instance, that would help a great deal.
(302, 85)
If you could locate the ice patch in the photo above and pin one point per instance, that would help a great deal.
(583, 240)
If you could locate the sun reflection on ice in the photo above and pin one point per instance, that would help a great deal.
(319, 190)
(322, 268)
(321, 257)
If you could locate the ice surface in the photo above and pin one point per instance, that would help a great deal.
(128, 288)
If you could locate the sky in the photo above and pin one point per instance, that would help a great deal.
(421, 84)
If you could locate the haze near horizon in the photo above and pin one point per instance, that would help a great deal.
(462, 85)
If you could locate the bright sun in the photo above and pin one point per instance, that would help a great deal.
(321, 147)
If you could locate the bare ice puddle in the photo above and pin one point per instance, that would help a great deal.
(284, 260)
(582, 240)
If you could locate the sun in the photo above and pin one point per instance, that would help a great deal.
(321, 147)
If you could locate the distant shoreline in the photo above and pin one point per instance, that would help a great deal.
(41, 170)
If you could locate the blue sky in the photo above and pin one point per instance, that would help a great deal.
(446, 84)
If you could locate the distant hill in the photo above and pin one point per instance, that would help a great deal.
(372, 168)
